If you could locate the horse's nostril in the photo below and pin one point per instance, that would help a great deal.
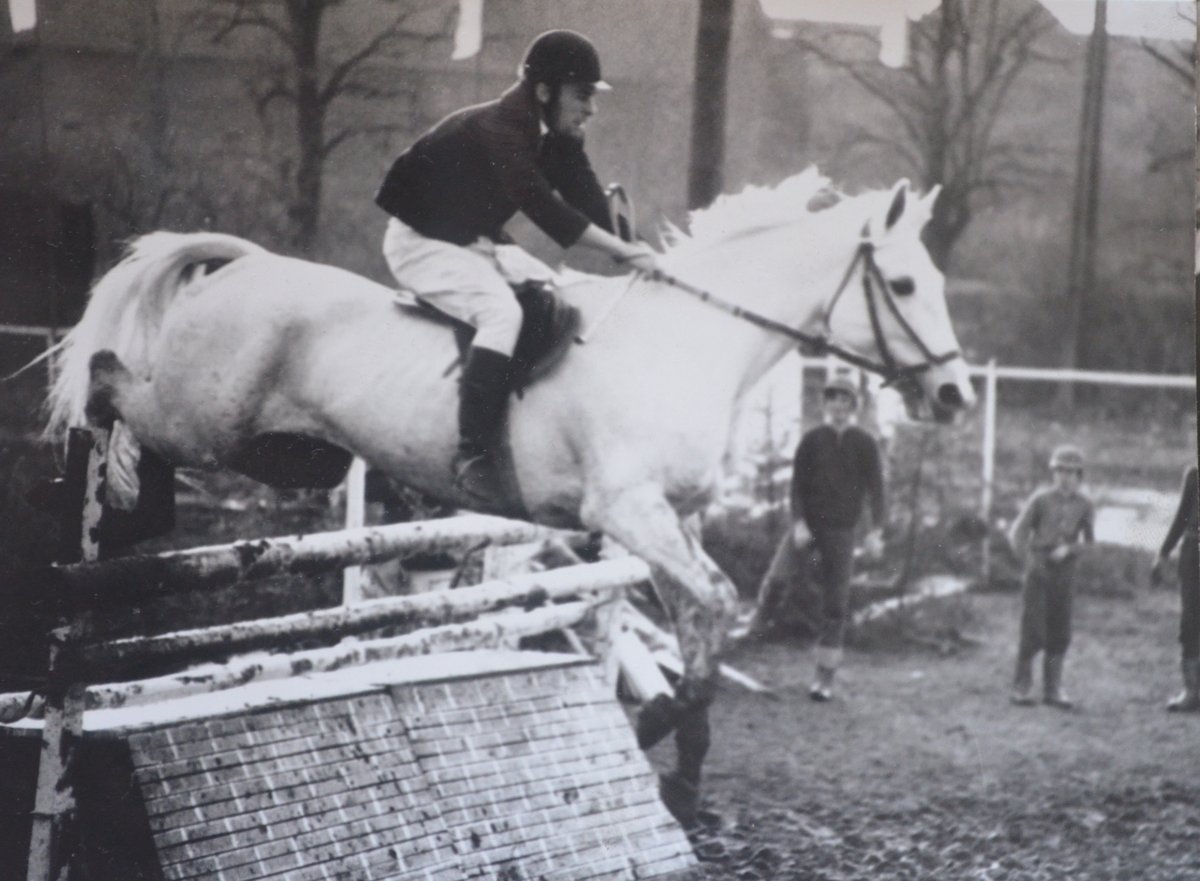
(948, 395)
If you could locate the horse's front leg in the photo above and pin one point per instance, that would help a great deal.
(702, 604)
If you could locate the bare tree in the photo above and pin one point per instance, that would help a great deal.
(945, 104)
(1179, 60)
(310, 82)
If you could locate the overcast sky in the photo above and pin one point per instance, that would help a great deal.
(1135, 18)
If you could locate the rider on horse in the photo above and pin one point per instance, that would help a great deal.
(450, 195)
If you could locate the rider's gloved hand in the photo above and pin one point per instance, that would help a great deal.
(643, 258)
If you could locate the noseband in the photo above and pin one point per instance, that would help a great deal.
(875, 289)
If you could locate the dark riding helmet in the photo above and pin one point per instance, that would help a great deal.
(563, 56)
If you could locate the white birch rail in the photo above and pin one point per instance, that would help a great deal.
(931, 588)
(129, 580)
(99, 661)
(490, 631)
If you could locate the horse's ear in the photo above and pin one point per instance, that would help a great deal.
(923, 210)
(931, 197)
(900, 192)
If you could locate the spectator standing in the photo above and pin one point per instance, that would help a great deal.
(1185, 527)
(1047, 534)
(836, 469)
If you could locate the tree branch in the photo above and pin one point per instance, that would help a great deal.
(340, 79)
(245, 14)
(341, 137)
(860, 136)
(1183, 68)
(885, 92)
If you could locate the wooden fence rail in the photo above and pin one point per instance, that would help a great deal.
(106, 661)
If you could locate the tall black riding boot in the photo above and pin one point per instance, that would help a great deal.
(483, 400)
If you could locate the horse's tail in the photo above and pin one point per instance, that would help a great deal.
(125, 312)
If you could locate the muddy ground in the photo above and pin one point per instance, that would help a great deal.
(921, 769)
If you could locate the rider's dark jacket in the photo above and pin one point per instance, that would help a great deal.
(468, 175)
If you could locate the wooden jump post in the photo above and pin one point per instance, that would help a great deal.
(53, 819)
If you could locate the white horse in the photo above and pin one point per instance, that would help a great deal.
(626, 436)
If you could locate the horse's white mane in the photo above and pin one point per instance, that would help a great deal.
(802, 197)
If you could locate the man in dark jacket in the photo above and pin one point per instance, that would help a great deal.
(1185, 532)
(836, 469)
(451, 193)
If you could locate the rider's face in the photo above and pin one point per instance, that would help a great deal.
(567, 112)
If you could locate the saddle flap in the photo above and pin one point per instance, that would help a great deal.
(547, 330)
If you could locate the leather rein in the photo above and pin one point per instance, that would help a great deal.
(875, 289)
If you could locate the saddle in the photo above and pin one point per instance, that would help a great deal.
(549, 328)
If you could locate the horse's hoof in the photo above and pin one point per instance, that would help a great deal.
(657, 718)
(681, 798)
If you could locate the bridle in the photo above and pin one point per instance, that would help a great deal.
(875, 289)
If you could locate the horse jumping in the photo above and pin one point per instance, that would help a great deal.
(626, 436)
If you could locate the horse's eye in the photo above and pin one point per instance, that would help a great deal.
(902, 286)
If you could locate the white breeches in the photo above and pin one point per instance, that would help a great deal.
(469, 283)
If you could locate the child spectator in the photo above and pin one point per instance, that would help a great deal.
(1047, 534)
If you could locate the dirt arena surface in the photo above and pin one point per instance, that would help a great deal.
(921, 769)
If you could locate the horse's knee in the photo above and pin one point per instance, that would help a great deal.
(106, 376)
(722, 596)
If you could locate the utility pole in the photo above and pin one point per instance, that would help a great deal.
(705, 170)
(1081, 268)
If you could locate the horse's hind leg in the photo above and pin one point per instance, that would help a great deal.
(108, 377)
(702, 604)
(158, 421)
(116, 398)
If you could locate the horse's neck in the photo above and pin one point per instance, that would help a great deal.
(771, 274)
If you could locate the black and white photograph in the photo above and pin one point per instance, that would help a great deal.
(599, 440)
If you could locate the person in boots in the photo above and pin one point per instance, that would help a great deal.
(1184, 528)
(451, 193)
(1047, 534)
(837, 469)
